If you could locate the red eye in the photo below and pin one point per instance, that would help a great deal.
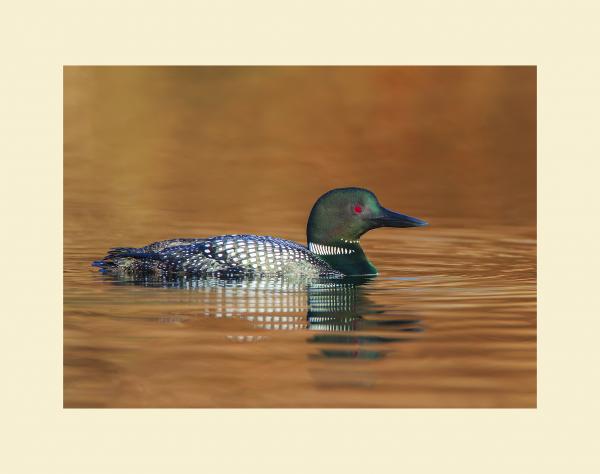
(358, 209)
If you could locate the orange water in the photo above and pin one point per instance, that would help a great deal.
(156, 153)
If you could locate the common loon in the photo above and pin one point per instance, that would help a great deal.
(336, 222)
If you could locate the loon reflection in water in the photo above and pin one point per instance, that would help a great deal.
(335, 309)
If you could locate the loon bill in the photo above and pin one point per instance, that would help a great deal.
(336, 222)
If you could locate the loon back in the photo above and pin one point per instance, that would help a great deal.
(224, 255)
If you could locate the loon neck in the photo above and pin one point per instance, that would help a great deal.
(344, 255)
(337, 247)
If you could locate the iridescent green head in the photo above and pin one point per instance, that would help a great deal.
(337, 221)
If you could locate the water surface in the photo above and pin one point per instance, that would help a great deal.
(157, 153)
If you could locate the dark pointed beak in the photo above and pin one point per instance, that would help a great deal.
(395, 219)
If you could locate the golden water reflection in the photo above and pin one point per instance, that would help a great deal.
(157, 153)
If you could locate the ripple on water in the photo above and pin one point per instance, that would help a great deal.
(449, 322)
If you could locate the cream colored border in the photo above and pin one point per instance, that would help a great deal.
(39, 37)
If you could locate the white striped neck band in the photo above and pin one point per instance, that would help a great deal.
(321, 249)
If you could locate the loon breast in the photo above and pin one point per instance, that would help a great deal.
(222, 254)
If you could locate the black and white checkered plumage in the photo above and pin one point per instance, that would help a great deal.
(221, 255)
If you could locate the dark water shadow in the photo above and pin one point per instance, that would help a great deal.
(340, 311)
(343, 315)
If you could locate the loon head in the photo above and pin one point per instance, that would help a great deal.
(337, 221)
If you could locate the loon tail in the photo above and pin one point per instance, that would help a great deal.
(125, 258)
